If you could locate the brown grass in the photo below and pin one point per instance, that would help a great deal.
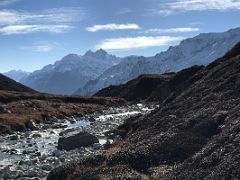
(23, 107)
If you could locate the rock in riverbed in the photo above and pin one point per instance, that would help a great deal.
(76, 139)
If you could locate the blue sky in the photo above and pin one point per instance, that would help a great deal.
(37, 33)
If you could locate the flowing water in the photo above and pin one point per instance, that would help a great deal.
(33, 154)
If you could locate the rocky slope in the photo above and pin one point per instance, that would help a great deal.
(199, 50)
(194, 135)
(153, 87)
(70, 73)
(8, 84)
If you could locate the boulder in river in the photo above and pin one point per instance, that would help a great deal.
(14, 137)
(76, 139)
(31, 125)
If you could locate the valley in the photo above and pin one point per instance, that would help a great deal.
(193, 134)
(180, 123)
(24, 155)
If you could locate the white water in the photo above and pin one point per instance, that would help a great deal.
(41, 149)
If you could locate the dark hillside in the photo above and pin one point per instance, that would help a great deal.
(153, 87)
(195, 135)
(8, 84)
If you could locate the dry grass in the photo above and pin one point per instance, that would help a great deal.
(115, 148)
(23, 107)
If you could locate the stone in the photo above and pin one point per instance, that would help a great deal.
(32, 174)
(92, 119)
(47, 167)
(38, 153)
(27, 152)
(76, 139)
(53, 132)
(56, 153)
(31, 125)
(13, 151)
(3, 109)
(66, 132)
(13, 137)
(36, 135)
(72, 121)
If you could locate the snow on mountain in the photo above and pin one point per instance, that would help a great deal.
(115, 75)
(16, 75)
(199, 50)
(71, 72)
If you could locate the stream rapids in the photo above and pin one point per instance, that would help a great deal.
(31, 155)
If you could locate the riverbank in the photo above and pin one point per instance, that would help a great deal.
(33, 154)
(19, 110)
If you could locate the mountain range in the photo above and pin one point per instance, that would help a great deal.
(17, 75)
(71, 72)
(86, 75)
(199, 50)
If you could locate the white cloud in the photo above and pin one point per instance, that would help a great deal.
(112, 27)
(59, 15)
(24, 29)
(170, 30)
(14, 22)
(7, 2)
(136, 42)
(42, 47)
(196, 5)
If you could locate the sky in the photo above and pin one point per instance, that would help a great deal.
(36, 33)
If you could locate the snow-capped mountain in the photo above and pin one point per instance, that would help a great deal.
(113, 76)
(70, 73)
(16, 75)
(199, 50)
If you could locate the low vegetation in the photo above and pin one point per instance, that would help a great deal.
(18, 108)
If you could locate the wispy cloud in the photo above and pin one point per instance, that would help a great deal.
(42, 21)
(24, 29)
(136, 42)
(7, 2)
(170, 30)
(124, 11)
(42, 47)
(112, 27)
(196, 5)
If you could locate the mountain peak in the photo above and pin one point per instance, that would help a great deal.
(89, 53)
(98, 53)
(101, 52)
(71, 56)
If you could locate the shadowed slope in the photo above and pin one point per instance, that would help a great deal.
(193, 136)
(8, 84)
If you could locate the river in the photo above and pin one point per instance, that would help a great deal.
(33, 154)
